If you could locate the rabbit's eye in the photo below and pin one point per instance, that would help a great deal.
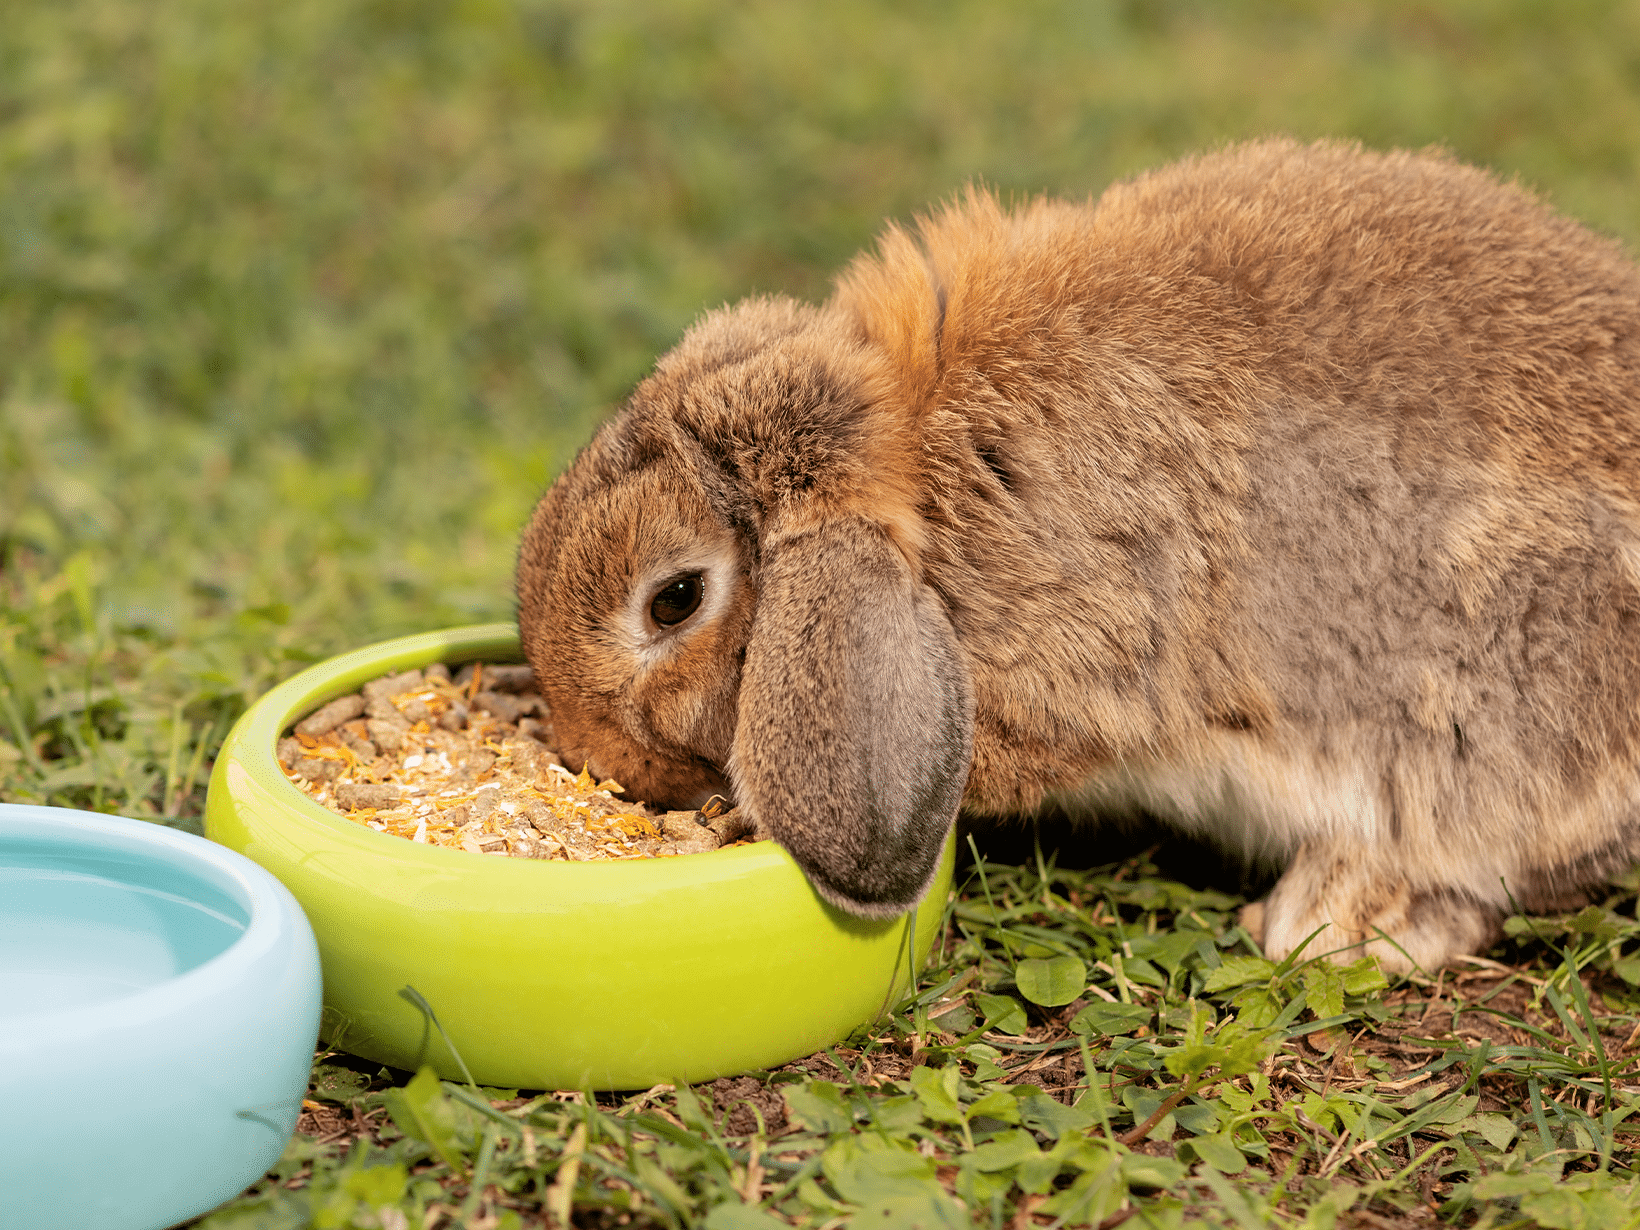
(678, 600)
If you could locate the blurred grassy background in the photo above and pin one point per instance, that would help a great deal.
(302, 304)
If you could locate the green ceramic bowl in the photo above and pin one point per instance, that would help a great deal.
(550, 975)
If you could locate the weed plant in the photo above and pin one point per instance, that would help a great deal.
(302, 305)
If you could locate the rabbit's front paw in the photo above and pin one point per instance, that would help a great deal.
(1356, 907)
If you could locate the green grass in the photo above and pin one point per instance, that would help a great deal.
(301, 305)
(1089, 1047)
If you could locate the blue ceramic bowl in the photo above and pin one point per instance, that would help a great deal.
(159, 1003)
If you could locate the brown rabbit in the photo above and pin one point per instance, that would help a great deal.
(1290, 494)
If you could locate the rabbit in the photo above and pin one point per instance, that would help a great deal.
(1289, 494)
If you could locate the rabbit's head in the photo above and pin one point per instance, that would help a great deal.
(722, 595)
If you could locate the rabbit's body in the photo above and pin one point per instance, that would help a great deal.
(1291, 494)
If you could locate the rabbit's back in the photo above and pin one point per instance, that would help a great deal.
(1402, 283)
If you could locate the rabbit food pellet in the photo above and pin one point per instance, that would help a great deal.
(466, 762)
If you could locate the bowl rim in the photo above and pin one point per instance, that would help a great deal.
(250, 748)
(268, 906)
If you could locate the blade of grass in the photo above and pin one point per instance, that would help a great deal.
(410, 995)
(1607, 1129)
(481, 1178)
(996, 917)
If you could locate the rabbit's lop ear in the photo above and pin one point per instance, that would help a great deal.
(856, 717)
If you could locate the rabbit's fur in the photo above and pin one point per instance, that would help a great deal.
(1288, 493)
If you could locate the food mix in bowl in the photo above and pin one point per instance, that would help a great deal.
(466, 761)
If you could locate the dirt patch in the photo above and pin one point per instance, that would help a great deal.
(744, 1104)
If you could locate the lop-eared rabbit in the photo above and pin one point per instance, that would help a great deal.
(1288, 494)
